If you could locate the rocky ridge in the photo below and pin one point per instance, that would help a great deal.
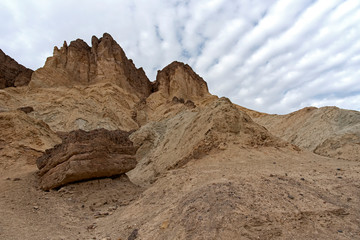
(80, 64)
(13, 74)
(71, 90)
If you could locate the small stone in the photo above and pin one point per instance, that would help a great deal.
(290, 196)
(113, 208)
(165, 224)
(36, 207)
(302, 179)
(101, 214)
(340, 231)
(339, 169)
(26, 109)
(92, 226)
(134, 234)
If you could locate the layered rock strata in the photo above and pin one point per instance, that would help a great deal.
(86, 155)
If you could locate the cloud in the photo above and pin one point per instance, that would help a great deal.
(274, 56)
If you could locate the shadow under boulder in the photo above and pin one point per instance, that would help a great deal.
(86, 155)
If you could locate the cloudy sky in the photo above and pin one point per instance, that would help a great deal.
(274, 56)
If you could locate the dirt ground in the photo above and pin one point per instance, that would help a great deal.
(235, 193)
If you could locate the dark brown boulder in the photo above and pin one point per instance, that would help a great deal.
(86, 155)
(13, 74)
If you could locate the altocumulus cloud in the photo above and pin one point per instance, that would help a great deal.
(274, 56)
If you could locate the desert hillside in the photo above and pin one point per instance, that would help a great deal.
(327, 131)
(91, 149)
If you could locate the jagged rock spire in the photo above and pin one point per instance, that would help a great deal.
(80, 64)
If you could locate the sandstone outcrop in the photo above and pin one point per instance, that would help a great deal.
(103, 62)
(71, 90)
(177, 88)
(86, 155)
(13, 74)
(179, 80)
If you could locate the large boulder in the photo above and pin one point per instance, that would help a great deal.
(13, 74)
(86, 155)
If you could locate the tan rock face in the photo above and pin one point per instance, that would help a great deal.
(177, 88)
(80, 64)
(86, 155)
(102, 105)
(179, 80)
(193, 134)
(23, 138)
(13, 74)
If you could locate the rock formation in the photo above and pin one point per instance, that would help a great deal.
(192, 134)
(103, 62)
(13, 74)
(102, 105)
(86, 155)
(167, 159)
(176, 83)
(179, 80)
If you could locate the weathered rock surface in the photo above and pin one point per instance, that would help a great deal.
(103, 62)
(83, 87)
(13, 74)
(86, 155)
(192, 134)
(179, 80)
(328, 131)
(177, 88)
(23, 138)
(102, 105)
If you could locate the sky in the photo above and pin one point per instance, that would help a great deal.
(273, 56)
